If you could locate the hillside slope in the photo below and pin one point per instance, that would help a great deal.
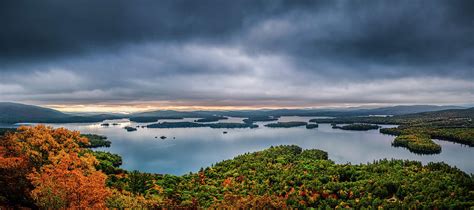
(16, 112)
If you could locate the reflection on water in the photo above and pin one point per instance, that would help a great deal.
(194, 148)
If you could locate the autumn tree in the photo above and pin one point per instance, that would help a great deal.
(48, 167)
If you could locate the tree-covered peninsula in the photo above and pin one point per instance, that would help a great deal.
(420, 144)
(454, 125)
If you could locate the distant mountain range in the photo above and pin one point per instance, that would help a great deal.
(17, 113)
(22, 113)
(449, 113)
(14, 112)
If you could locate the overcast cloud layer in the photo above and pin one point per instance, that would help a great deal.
(262, 53)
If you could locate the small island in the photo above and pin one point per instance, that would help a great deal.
(232, 125)
(357, 127)
(152, 119)
(286, 124)
(211, 119)
(260, 119)
(175, 125)
(129, 128)
(198, 125)
(312, 126)
(420, 144)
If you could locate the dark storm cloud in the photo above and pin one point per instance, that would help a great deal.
(32, 28)
(424, 37)
(237, 52)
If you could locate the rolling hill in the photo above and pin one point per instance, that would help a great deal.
(21, 113)
(15, 112)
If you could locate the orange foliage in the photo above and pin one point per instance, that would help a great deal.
(69, 181)
(51, 168)
(227, 182)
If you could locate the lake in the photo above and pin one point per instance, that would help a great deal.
(188, 149)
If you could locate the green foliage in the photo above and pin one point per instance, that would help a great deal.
(287, 176)
(108, 163)
(96, 141)
(139, 183)
(420, 144)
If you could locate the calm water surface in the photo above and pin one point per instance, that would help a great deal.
(189, 149)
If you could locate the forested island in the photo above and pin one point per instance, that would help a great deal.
(211, 119)
(253, 119)
(152, 119)
(197, 125)
(286, 124)
(129, 128)
(278, 177)
(357, 127)
(311, 125)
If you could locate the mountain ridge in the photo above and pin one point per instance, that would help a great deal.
(11, 112)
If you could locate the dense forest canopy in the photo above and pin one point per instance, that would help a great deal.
(46, 167)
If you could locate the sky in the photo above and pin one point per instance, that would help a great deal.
(121, 55)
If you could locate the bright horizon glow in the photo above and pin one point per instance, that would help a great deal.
(134, 108)
(143, 108)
